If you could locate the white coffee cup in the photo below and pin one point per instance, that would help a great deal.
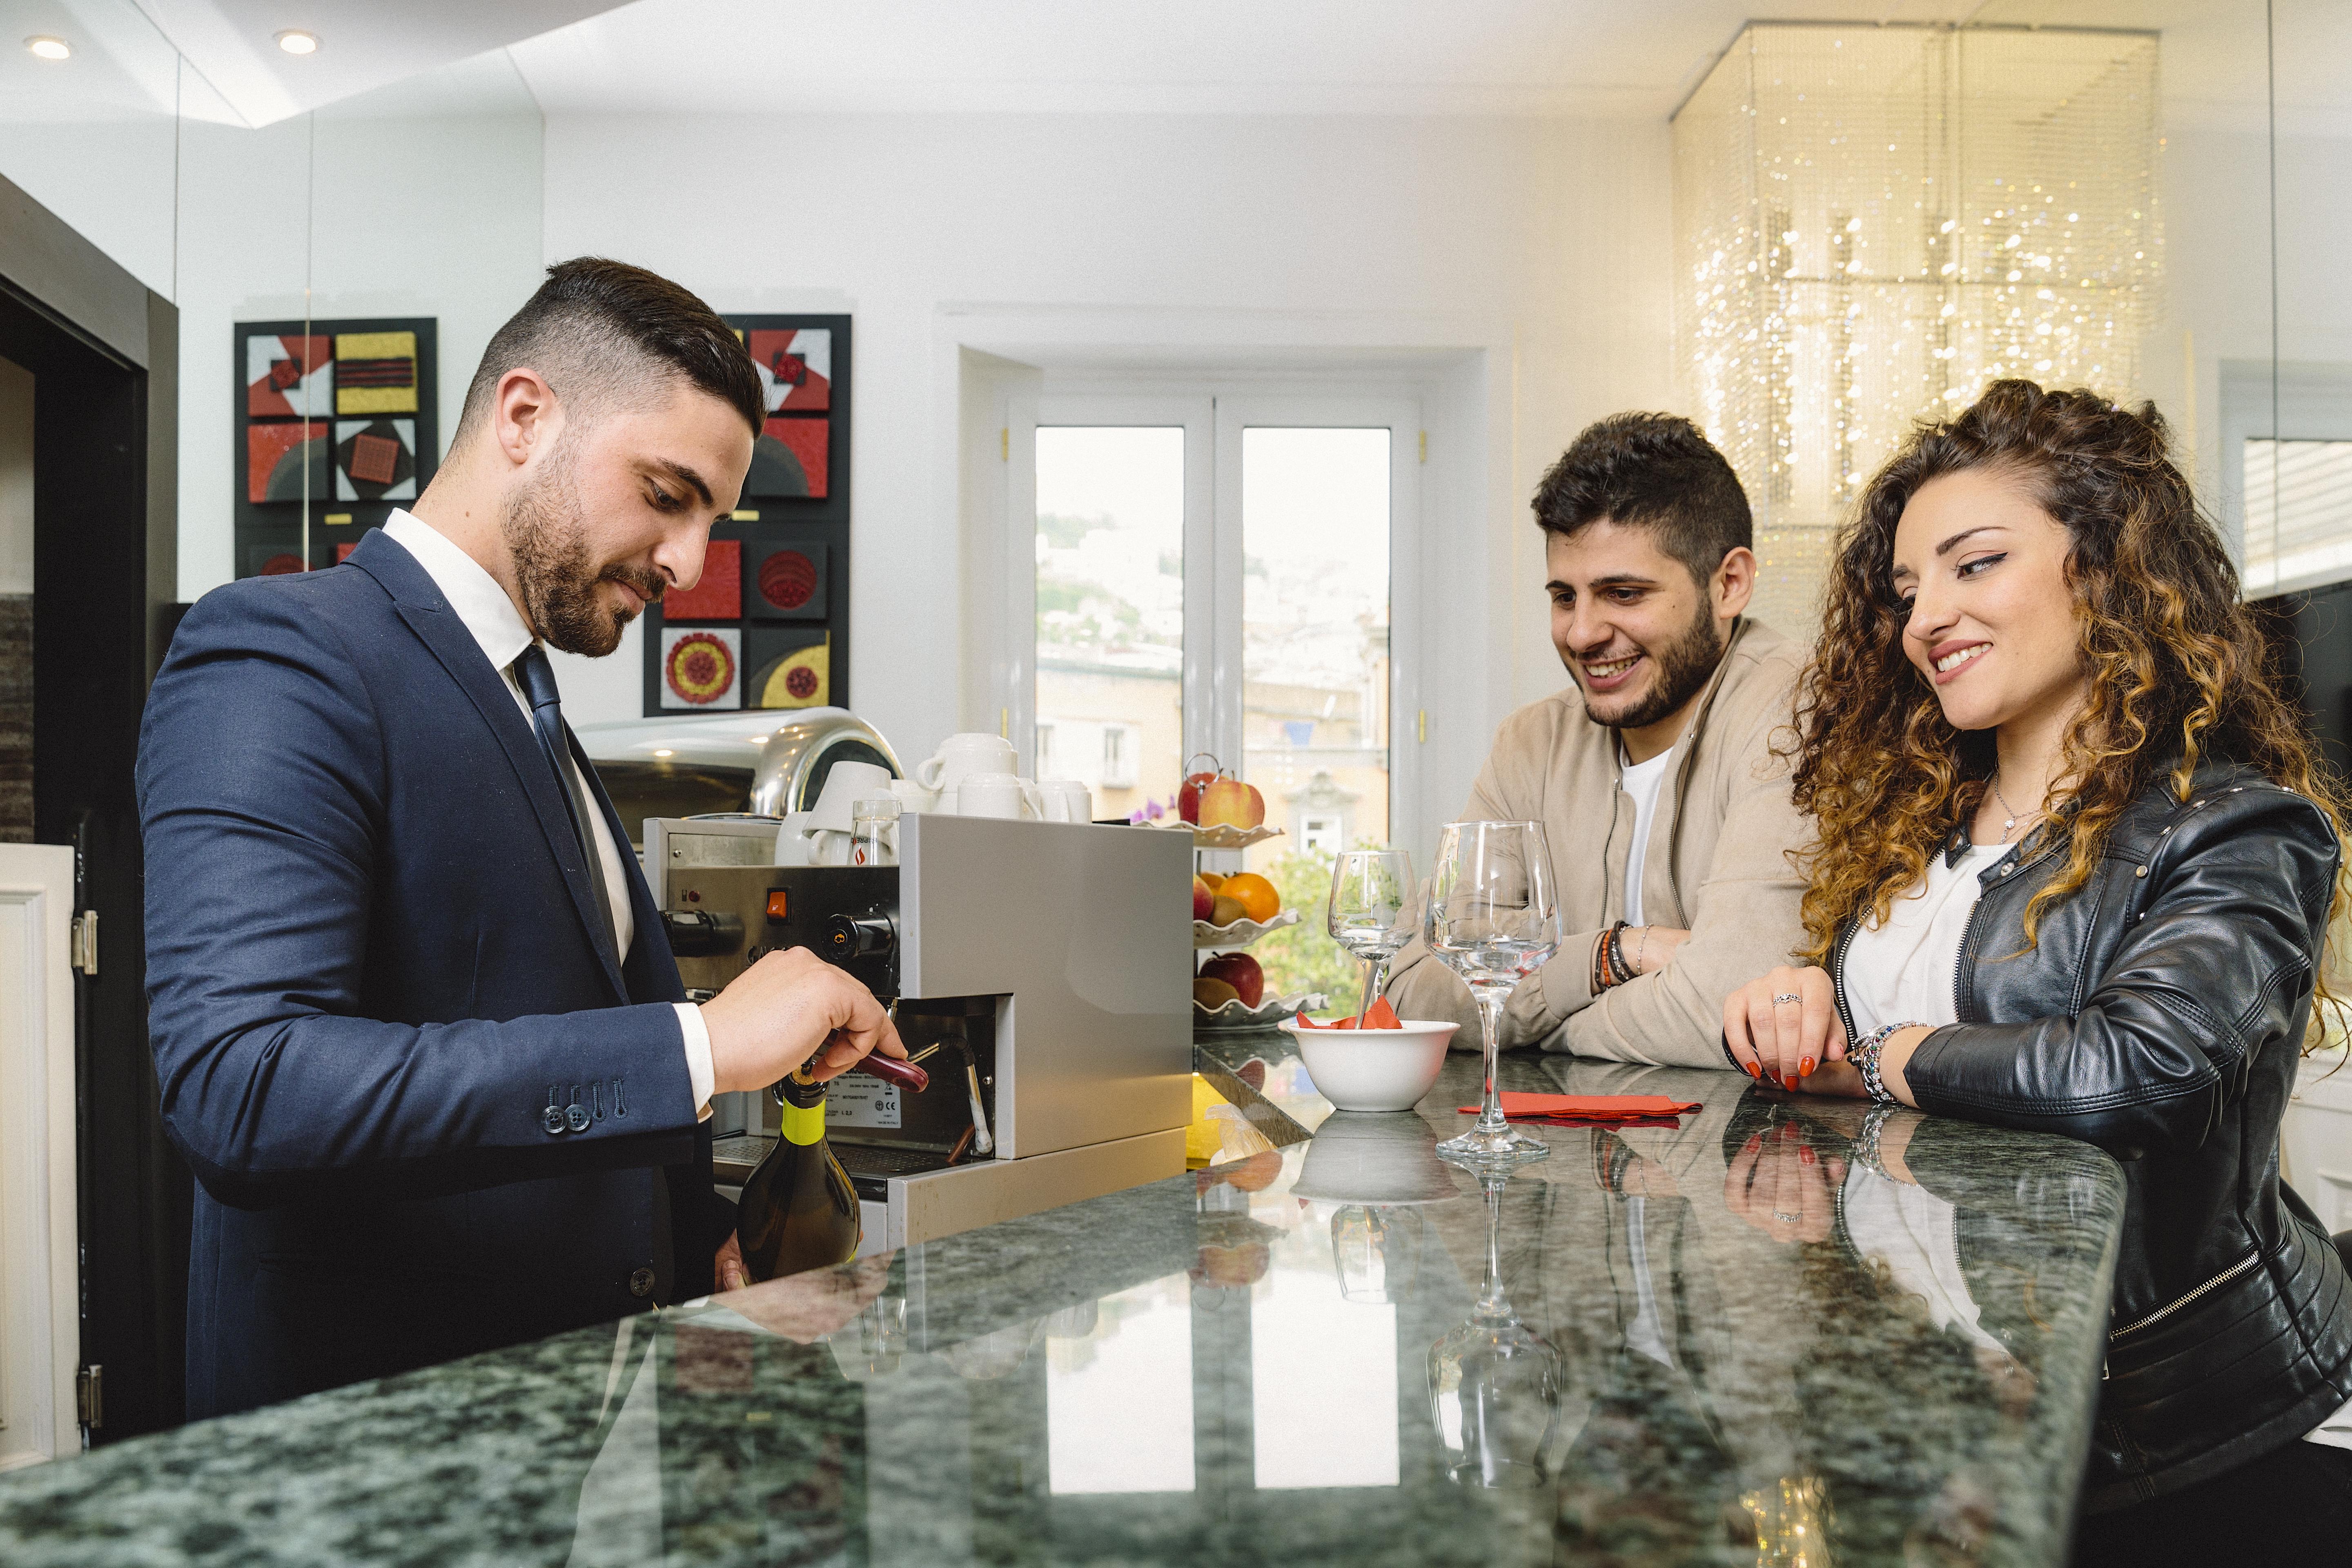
(961, 756)
(791, 847)
(913, 798)
(828, 846)
(1066, 800)
(998, 795)
(846, 783)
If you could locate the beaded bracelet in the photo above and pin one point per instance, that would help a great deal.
(1864, 1053)
(1865, 1143)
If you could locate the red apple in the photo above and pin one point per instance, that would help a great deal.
(1203, 900)
(1188, 795)
(1229, 802)
(1241, 971)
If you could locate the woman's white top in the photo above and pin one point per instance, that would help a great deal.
(1902, 973)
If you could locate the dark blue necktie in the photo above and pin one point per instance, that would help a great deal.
(537, 678)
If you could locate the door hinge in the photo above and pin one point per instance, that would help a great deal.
(89, 1398)
(82, 948)
(1424, 446)
(1005, 444)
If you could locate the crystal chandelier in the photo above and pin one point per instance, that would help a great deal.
(1872, 222)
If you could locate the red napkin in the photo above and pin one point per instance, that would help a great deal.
(1381, 1016)
(1612, 1107)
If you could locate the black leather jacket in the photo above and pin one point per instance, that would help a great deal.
(2160, 1015)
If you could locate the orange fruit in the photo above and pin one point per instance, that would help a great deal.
(1255, 895)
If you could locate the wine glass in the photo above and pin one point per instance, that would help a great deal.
(1376, 1251)
(1493, 918)
(1494, 1383)
(1371, 912)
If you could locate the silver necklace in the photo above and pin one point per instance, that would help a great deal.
(2009, 826)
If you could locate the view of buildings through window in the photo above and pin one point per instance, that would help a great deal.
(1111, 624)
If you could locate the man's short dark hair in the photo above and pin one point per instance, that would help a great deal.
(598, 331)
(1655, 471)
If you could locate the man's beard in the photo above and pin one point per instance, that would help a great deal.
(549, 542)
(1684, 664)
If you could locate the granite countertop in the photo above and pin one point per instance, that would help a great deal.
(1723, 1341)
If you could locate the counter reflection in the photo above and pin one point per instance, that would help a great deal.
(1777, 1332)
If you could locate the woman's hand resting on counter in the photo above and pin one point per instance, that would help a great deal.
(789, 1008)
(1784, 1029)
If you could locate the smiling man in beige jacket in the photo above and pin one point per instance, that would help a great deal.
(1653, 772)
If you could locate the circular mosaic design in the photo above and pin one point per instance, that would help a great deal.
(787, 579)
(800, 682)
(701, 669)
(281, 565)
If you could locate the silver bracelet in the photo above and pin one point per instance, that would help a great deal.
(1864, 1055)
(1865, 1143)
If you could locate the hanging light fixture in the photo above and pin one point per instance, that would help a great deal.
(1871, 222)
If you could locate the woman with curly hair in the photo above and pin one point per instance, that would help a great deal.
(2075, 865)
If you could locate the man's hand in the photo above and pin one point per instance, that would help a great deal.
(727, 1267)
(789, 1008)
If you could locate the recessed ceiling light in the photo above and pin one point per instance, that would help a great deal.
(49, 49)
(295, 41)
(665, 752)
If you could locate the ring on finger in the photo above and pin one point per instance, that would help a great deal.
(1786, 996)
(1792, 1218)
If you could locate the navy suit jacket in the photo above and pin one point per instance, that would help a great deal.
(370, 972)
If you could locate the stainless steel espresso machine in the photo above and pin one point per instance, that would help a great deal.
(1044, 967)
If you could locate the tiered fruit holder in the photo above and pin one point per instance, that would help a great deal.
(1241, 934)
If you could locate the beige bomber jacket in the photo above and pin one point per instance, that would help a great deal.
(1717, 866)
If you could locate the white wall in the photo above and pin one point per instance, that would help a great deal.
(1548, 236)
(414, 215)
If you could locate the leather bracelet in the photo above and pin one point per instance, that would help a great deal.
(1615, 971)
(1865, 1053)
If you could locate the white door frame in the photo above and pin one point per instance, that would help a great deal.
(40, 1328)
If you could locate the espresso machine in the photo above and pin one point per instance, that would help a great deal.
(1039, 970)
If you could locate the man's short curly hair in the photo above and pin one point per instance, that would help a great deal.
(1655, 471)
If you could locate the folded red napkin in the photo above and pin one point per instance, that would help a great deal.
(1587, 1106)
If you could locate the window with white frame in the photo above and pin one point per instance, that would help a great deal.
(1213, 574)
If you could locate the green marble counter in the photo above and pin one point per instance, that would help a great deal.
(1720, 1342)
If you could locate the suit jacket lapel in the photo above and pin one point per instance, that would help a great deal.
(436, 625)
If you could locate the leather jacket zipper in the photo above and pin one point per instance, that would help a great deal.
(2215, 1283)
(1837, 975)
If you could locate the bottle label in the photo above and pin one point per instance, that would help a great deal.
(803, 1124)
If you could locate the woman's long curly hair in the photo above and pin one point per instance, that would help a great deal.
(2178, 670)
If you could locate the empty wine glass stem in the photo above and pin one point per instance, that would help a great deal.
(1491, 999)
(1375, 968)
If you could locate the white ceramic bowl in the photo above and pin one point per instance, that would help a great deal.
(1373, 1069)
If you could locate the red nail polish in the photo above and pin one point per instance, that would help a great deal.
(1806, 1154)
(1805, 1068)
(1756, 1070)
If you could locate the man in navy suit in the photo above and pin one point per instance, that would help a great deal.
(416, 1025)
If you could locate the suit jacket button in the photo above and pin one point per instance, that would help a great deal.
(577, 1118)
(641, 1283)
(552, 1119)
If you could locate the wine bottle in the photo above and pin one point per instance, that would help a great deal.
(798, 1210)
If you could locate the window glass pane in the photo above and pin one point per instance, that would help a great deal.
(2298, 513)
(1110, 614)
(1314, 658)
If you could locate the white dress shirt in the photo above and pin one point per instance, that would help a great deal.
(499, 628)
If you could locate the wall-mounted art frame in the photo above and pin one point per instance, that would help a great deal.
(338, 418)
(777, 578)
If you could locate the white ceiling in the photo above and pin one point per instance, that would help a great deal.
(1634, 57)
(1440, 56)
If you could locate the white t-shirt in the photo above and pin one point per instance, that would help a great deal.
(1642, 781)
(1901, 972)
